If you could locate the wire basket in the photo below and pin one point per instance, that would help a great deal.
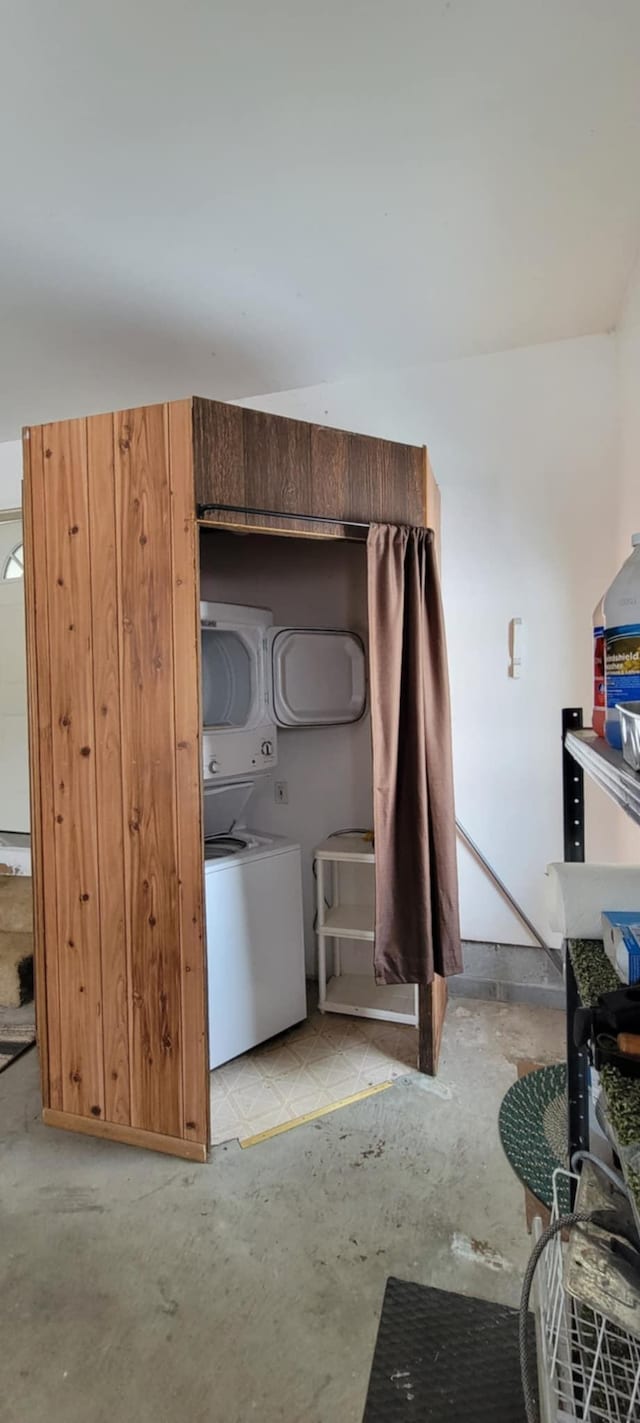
(588, 1368)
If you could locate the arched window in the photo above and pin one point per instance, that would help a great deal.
(14, 565)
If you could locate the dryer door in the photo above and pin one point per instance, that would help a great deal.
(229, 679)
(317, 676)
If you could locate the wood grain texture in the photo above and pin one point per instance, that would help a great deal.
(188, 774)
(432, 506)
(41, 733)
(277, 463)
(432, 1001)
(385, 481)
(330, 477)
(432, 1008)
(265, 461)
(151, 872)
(129, 1136)
(218, 453)
(114, 709)
(73, 749)
(33, 474)
(105, 630)
(434, 998)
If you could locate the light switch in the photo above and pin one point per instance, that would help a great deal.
(515, 647)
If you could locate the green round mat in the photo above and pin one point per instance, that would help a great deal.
(533, 1130)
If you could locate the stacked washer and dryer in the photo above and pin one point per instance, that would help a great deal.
(258, 680)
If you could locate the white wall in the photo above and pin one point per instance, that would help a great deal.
(10, 475)
(537, 453)
(305, 583)
(525, 446)
(628, 352)
(14, 780)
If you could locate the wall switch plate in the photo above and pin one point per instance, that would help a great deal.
(281, 792)
(515, 647)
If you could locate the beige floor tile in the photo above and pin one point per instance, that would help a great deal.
(241, 1072)
(312, 1101)
(274, 1065)
(323, 1060)
(373, 1076)
(296, 1084)
(337, 1028)
(332, 1071)
(264, 1121)
(261, 1096)
(312, 1049)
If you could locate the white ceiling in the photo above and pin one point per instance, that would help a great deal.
(240, 196)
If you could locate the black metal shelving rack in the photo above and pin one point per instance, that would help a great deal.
(583, 751)
(574, 845)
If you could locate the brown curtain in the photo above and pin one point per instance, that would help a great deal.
(417, 924)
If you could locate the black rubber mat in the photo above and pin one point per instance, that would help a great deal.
(441, 1357)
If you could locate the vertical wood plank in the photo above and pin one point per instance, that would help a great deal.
(37, 631)
(368, 498)
(43, 735)
(73, 746)
(218, 453)
(386, 481)
(414, 486)
(277, 464)
(144, 577)
(186, 676)
(432, 503)
(108, 769)
(432, 1008)
(432, 1000)
(330, 493)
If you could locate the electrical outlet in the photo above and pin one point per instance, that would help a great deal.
(281, 790)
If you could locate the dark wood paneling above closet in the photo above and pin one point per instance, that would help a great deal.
(264, 461)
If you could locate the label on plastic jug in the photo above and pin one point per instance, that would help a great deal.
(622, 658)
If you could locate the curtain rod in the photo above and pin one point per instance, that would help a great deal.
(277, 514)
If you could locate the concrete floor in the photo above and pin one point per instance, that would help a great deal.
(135, 1287)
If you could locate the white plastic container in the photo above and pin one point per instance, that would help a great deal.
(622, 641)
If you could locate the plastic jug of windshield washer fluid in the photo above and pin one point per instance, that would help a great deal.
(622, 641)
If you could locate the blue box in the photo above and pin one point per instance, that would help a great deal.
(621, 938)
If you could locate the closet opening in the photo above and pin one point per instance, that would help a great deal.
(288, 854)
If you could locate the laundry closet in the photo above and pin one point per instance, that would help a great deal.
(284, 622)
(139, 525)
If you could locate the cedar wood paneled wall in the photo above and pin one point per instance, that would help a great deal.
(112, 590)
(112, 604)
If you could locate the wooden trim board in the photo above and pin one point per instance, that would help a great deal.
(129, 1136)
(35, 789)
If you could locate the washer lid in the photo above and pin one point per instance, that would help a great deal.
(223, 806)
(317, 675)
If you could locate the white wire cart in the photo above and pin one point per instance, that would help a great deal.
(588, 1367)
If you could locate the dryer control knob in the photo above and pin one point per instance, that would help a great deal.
(213, 766)
(267, 748)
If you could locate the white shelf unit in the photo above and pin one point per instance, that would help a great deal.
(338, 919)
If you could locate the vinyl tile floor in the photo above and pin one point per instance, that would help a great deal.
(322, 1061)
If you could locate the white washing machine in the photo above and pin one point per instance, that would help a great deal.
(255, 936)
(257, 677)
